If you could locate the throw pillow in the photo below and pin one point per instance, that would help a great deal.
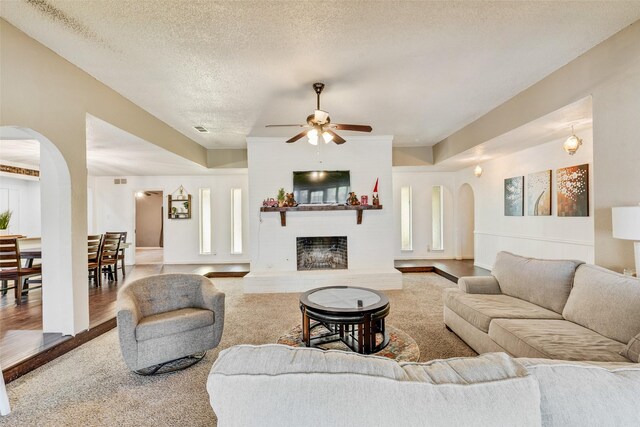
(632, 350)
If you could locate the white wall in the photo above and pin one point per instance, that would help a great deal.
(537, 236)
(271, 166)
(465, 222)
(115, 204)
(421, 183)
(22, 197)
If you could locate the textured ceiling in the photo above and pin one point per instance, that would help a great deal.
(415, 70)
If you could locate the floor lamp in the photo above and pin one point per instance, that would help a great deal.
(626, 225)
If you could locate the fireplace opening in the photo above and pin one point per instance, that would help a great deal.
(322, 253)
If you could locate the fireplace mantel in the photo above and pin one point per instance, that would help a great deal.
(283, 211)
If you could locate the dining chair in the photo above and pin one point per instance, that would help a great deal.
(94, 249)
(11, 268)
(123, 239)
(109, 256)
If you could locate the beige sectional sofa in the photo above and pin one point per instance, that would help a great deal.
(276, 385)
(553, 309)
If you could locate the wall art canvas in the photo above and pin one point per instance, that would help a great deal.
(514, 196)
(573, 190)
(539, 193)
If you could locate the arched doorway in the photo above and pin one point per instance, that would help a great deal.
(62, 305)
(466, 222)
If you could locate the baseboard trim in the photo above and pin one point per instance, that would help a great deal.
(16, 371)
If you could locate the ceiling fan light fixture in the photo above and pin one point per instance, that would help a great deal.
(312, 135)
(327, 137)
(321, 117)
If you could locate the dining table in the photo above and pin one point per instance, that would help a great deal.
(30, 250)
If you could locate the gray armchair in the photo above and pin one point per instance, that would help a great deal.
(167, 317)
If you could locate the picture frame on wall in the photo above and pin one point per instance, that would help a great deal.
(573, 191)
(514, 196)
(539, 193)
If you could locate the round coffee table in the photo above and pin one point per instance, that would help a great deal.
(351, 314)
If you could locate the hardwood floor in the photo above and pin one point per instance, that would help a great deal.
(450, 268)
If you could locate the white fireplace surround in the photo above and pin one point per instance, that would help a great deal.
(273, 247)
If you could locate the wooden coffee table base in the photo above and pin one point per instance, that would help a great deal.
(356, 332)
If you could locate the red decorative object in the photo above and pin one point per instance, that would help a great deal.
(364, 200)
(375, 187)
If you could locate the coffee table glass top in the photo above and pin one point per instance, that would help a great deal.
(344, 297)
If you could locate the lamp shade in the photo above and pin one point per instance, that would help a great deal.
(626, 222)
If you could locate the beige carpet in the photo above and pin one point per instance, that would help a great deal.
(91, 385)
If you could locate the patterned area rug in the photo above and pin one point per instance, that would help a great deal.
(401, 346)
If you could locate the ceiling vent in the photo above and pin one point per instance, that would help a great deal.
(201, 129)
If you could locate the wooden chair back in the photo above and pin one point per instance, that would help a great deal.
(110, 248)
(94, 245)
(9, 254)
(123, 235)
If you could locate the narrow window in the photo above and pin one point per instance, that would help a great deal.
(406, 219)
(437, 219)
(236, 220)
(205, 221)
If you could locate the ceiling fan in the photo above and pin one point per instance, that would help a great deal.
(319, 124)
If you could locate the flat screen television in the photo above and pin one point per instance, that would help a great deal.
(321, 187)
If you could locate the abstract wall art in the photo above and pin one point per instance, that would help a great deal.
(573, 191)
(514, 196)
(539, 193)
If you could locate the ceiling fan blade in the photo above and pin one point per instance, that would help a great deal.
(357, 128)
(336, 138)
(297, 137)
(281, 126)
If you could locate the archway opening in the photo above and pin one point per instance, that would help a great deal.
(62, 306)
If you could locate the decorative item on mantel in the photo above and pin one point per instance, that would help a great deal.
(375, 198)
(364, 200)
(179, 204)
(270, 203)
(289, 201)
(281, 195)
(352, 200)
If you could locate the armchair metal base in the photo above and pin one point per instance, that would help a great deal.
(172, 365)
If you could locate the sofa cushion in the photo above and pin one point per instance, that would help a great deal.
(632, 350)
(578, 394)
(546, 283)
(479, 310)
(173, 322)
(606, 302)
(280, 386)
(554, 339)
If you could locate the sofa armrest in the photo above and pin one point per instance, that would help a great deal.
(479, 285)
(128, 318)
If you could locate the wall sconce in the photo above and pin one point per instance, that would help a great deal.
(139, 194)
(572, 143)
(478, 171)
